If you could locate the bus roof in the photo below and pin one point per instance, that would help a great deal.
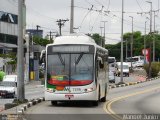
(75, 39)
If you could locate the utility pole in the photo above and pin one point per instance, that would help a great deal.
(37, 29)
(145, 43)
(60, 24)
(126, 49)
(72, 17)
(131, 42)
(151, 35)
(50, 35)
(154, 36)
(121, 81)
(103, 42)
(20, 62)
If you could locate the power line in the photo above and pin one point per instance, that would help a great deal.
(108, 5)
(139, 5)
(40, 14)
(100, 11)
(86, 16)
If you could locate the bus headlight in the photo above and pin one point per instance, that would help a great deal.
(89, 90)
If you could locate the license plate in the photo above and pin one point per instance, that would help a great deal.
(69, 96)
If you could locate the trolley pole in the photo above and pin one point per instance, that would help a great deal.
(20, 63)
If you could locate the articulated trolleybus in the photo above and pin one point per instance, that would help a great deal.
(76, 70)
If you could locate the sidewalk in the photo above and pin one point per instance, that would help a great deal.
(32, 84)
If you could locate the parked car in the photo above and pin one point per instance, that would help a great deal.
(111, 77)
(125, 69)
(112, 67)
(8, 87)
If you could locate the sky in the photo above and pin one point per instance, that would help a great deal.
(45, 13)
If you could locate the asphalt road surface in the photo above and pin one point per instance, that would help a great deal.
(142, 98)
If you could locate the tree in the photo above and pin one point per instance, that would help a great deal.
(41, 41)
(97, 38)
(138, 45)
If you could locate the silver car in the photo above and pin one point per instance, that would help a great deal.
(111, 77)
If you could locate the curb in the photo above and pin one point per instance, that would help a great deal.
(133, 83)
(30, 104)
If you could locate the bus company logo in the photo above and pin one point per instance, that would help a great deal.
(66, 89)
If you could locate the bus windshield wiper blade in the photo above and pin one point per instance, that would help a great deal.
(79, 58)
(60, 57)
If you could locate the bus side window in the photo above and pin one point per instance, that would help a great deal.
(43, 57)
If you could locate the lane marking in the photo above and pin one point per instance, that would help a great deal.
(107, 105)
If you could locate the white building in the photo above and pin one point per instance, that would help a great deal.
(8, 25)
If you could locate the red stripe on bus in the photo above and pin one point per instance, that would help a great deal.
(72, 82)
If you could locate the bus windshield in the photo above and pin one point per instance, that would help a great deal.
(70, 69)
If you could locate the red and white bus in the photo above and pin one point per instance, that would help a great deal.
(76, 70)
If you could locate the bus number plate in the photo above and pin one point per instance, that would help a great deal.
(69, 96)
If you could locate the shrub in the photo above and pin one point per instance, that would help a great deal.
(155, 68)
(2, 74)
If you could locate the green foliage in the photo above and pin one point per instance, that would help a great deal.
(10, 55)
(2, 74)
(97, 38)
(155, 68)
(138, 45)
(41, 41)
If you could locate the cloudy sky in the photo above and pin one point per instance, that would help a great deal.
(45, 13)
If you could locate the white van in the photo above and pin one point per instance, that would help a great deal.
(8, 87)
(125, 69)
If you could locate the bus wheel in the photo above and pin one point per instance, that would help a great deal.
(54, 102)
(104, 98)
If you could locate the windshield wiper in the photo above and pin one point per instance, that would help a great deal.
(79, 58)
(60, 57)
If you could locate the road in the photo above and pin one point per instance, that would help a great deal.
(138, 99)
(36, 91)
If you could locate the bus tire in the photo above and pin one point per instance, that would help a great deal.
(54, 102)
(104, 98)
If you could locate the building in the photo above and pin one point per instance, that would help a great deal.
(9, 29)
(35, 32)
(9, 25)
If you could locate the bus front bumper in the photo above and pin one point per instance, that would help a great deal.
(90, 96)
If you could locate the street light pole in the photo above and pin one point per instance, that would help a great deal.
(103, 43)
(131, 41)
(150, 16)
(122, 43)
